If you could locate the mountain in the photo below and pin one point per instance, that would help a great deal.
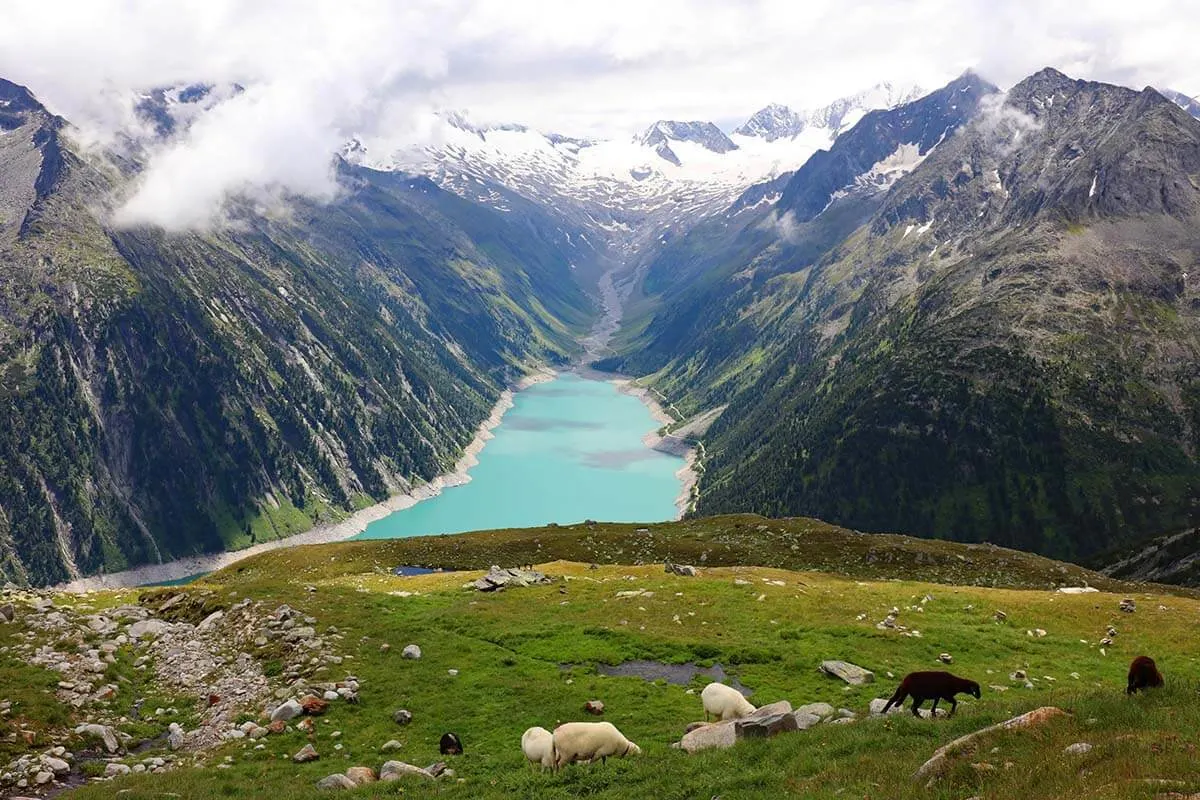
(1189, 104)
(773, 122)
(628, 196)
(999, 340)
(717, 272)
(170, 393)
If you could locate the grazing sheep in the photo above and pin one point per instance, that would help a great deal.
(450, 745)
(588, 741)
(922, 686)
(1143, 674)
(724, 702)
(538, 746)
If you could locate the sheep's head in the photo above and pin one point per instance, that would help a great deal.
(973, 688)
(634, 750)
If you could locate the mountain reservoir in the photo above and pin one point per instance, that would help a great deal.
(568, 450)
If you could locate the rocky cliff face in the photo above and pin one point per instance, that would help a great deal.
(165, 394)
(1004, 349)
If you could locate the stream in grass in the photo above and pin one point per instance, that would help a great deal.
(568, 450)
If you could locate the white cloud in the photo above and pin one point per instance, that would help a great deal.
(319, 71)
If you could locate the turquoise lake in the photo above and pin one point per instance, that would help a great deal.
(568, 450)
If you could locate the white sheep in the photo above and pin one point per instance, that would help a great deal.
(724, 702)
(538, 746)
(588, 741)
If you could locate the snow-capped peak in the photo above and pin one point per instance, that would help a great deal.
(843, 113)
(773, 122)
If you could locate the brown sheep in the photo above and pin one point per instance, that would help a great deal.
(922, 686)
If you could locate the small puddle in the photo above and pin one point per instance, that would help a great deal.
(677, 674)
(405, 571)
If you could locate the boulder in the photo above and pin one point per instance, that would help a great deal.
(503, 578)
(8, 612)
(1078, 749)
(289, 710)
(102, 732)
(56, 765)
(361, 776)
(336, 781)
(686, 570)
(1127, 605)
(210, 622)
(148, 627)
(411, 651)
(390, 746)
(402, 717)
(805, 720)
(395, 770)
(878, 704)
(850, 673)
(719, 735)
(763, 727)
(770, 710)
(116, 769)
(277, 726)
(691, 726)
(821, 710)
(306, 754)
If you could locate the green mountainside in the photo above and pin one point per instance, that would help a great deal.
(166, 394)
(1007, 349)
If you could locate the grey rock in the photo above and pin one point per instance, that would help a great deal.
(805, 720)
(821, 710)
(395, 770)
(390, 746)
(287, 711)
(762, 727)
(8, 612)
(498, 578)
(718, 736)
(878, 704)
(210, 622)
(148, 627)
(1078, 749)
(56, 765)
(102, 732)
(411, 651)
(361, 776)
(686, 570)
(335, 781)
(115, 769)
(770, 710)
(402, 717)
(850, 673)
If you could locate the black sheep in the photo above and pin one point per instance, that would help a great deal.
(922, 686)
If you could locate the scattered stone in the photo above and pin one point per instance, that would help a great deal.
(115, 769)
(877, 705)
(395, 770)
(336, 781)
(686, 570)
(306, 754)
(313, 706)
(453, 673)
(946, 658)
(385, 647)
(763, 727)
(390, 746)
(56, 765)
(148, 627)
(411, 651)
(805, 720)
(594, 707)
(209, 622)
(1127, 605)
(8, 612)
(1018, 675)
(1000, 616)
(43, 777)
(402, 717)
(1078, 749)
(850, 673)
(361, 776)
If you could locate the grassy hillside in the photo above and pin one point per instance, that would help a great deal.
(527, 657)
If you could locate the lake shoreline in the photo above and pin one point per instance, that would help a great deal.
(353, 525)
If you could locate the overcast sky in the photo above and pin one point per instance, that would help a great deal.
(320, 71)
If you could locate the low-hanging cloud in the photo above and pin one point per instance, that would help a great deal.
(318, 73)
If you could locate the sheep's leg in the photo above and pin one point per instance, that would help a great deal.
(933, 710)
(953, 706)
(916, 706)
